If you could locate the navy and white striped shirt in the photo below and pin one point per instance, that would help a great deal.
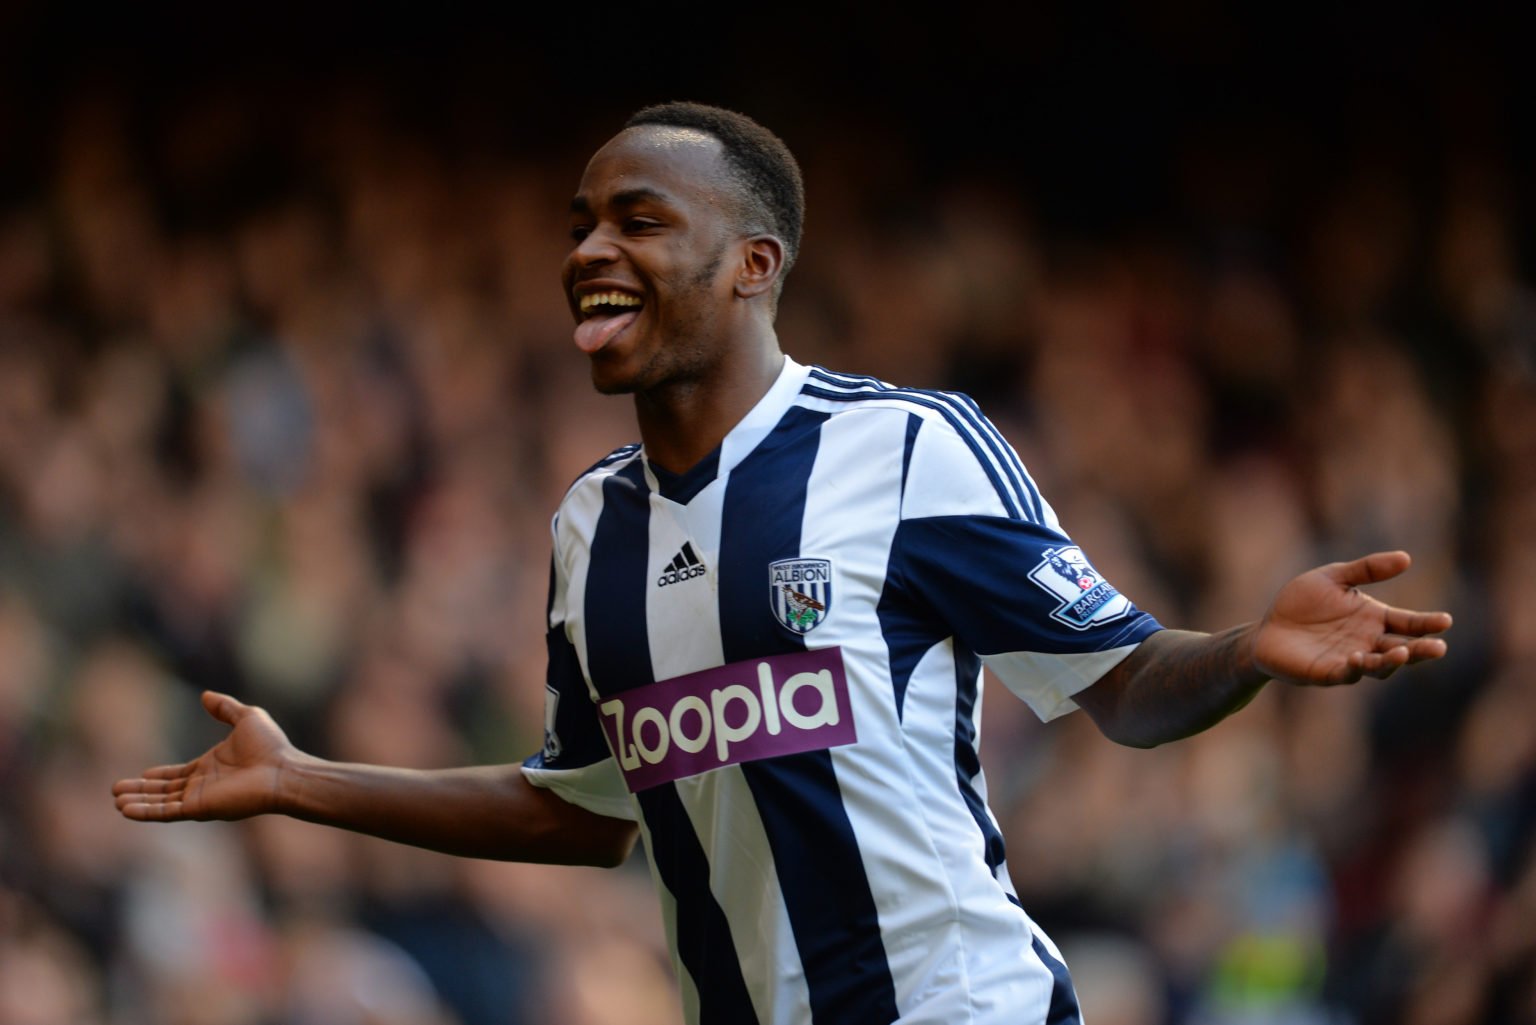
(772, 663)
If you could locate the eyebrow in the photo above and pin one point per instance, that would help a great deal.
(627, 198)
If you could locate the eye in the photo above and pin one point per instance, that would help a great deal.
(580, 232)
(636, 225)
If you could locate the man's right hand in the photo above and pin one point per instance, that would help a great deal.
(236, 778)
(488, 811)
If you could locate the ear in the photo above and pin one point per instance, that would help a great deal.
(762, 258)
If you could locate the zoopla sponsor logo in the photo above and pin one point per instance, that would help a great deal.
(759, 708)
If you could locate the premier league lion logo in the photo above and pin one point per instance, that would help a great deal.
(1086, 597)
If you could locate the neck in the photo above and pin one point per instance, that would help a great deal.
(683, 421)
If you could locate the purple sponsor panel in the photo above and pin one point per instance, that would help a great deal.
(758, 708)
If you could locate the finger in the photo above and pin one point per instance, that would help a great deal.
(223, 707)
(1370, 569)
(1424, 649)
(1391, 662)
(1417, 624)
(125, 801)
(1348, 675)
(181, 771)
(160, 779)
(148, 786)
(149, 804)
(1419, 649)
(1379, 664)
(145, 811)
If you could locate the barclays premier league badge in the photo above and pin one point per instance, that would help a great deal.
(552, 745)
(1087, 599)
(800, 592)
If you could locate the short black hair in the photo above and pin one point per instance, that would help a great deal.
(769, 178)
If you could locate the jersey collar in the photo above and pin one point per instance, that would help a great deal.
(741, 440)
(764, 416)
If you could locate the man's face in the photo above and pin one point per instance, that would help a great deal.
(650, 280)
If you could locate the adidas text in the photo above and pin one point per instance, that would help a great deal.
(678, 576)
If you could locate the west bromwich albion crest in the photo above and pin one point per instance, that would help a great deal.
(1086, 597)
(800, 592)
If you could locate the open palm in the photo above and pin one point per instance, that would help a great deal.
(236, 778)
(1322, 629)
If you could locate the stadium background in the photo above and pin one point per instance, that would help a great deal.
(287, 396)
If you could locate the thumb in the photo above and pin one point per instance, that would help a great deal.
(1370, 569)
(224, 708)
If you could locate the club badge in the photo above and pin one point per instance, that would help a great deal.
(800, 592)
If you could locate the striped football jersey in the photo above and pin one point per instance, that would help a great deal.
(772, 663)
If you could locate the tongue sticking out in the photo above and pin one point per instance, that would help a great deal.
(595, 332)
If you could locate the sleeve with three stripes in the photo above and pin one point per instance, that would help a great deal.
(981, 552)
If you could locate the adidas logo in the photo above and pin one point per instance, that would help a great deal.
(685, 565)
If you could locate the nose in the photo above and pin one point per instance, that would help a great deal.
(595, 249)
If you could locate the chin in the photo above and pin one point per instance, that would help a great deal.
(608, 379)
(605, 387)
(638, 373)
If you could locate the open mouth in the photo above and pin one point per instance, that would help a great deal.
(608, 303)
(604, 315)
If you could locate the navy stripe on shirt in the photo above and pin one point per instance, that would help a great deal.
(971, 571)
(1063, 1009)
(704, 943)
(914, 424)
(967, 761)
(821, 873)
(617, 580)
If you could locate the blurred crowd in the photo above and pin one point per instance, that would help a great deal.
(302, 445)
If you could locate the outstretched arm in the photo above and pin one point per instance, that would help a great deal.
(1321, 630)
(483, 812)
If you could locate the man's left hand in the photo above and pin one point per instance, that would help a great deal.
(1323, 630)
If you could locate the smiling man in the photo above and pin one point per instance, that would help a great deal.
(767, 625)
(681, 247)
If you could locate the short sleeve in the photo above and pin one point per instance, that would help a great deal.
(1011, 586)
(575, 762)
